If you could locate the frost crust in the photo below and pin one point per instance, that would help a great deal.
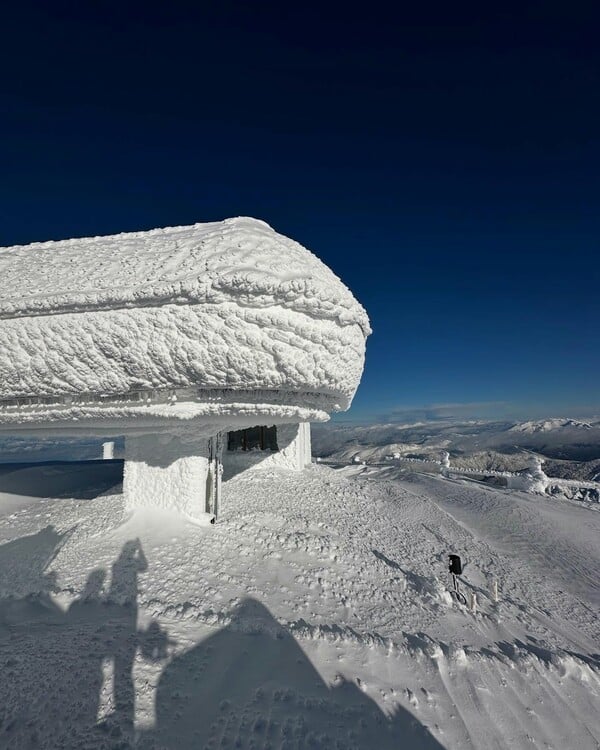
(229, 305)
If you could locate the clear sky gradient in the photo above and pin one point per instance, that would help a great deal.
(444, 161)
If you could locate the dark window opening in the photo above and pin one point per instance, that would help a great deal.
(253, 439)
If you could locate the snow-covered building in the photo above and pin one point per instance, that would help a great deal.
(202, 345)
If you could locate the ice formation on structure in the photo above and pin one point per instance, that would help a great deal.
(532, 479)
(173, 338)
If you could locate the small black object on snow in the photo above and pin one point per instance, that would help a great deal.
(455, 566)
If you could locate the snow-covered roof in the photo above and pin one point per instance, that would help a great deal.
(227, 308)
(240, 259)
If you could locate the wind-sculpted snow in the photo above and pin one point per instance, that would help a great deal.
(315, 614)
(239, 259)
(118, 351)
(228, 305)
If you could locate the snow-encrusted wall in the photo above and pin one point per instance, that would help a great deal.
(294, 452)
(165, 472)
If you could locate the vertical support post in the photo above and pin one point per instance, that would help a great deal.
(495, 590)
(218, 471)
(210, 478)
(108, 450)
(304, 446)
(215, 471)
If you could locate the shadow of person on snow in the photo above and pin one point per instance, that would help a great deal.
(251, 686)
(123, 626)
(34, 697)
(23, 563)
(52, 661)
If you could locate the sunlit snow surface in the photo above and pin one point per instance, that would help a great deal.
(316, 613)
(228, 305)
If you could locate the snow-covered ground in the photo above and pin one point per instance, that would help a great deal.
(315, 614)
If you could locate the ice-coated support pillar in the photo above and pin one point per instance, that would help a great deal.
(304, 446)
(108, 450)
(294, 446)
(166, 472)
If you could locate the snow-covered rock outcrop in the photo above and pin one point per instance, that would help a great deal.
(226, 319)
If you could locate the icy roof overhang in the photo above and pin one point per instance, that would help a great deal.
(92, 328)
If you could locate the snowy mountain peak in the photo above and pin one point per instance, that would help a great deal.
(550, 425)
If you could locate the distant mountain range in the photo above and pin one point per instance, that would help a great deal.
(551, 425)
(570, 447)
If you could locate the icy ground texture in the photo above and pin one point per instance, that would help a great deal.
(315, 614)
(227, 305)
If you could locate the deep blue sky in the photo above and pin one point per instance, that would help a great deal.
(443, 160)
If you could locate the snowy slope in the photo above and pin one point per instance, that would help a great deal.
(315, 614)
(221, 308)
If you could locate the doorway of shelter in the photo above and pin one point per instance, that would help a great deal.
(260, 438)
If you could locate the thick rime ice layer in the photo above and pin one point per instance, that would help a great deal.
(206, 419)
(215, 346)
(228, 305)
(241, 259)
